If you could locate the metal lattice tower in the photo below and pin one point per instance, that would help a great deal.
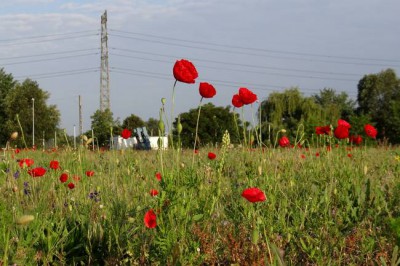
(105, 72)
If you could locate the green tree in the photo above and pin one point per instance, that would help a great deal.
(212, 125)
(287, 110)
(19, 101)
(7, 82)
(152, 126)
(334, 106)
(132, 122)
(379, 98)
(102, 123)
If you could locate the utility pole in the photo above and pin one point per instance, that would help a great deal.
(33, 122)
(104, 70)
(80, 117)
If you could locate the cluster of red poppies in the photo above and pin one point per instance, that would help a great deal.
(54, 165)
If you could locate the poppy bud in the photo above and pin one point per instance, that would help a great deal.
(161, 126)
(179, 128)
(163, 101)
(14, 135)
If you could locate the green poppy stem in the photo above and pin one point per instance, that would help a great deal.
(172, 114)
(197, 131)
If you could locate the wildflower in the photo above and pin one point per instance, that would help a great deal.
(207, 90)
(26, 188)
(253, 194)
(54, 165)
(150, 219)
(16, 151)
(323, 130)
(71, 185)
(63, 177)
(89, 173)
(76, 178)
(341, 132)
(126, 133)
(349, 155)
(212, 156)
(153, 192)
(356, 139)
(25, 162)
(303, 156)
(16, 174)
(344, 123)
(95, 195)
(158, 176)
(237, 101)
(317, 154)
(37, 172)
(284, 141)
(184, 71)
(370, 131)
(247, 96)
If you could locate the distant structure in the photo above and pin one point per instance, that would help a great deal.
(104, 71)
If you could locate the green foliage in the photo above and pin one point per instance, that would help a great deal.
(7, 82)
(322, 210)
(379, 97)
(19, 101)
(132, 122)
(152, 126)
(212, 125)
(102, 124)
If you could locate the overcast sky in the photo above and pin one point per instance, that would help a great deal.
(264, 45)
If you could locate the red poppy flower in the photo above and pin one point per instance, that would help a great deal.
(341, 132)
(253, 194)
(349, 155)
(212, 156)
(185, 71)
(303, 156)
(150, 219)
(16, 151)
(317, 154)
(357, 139)
(158, 176)
(237, 101)
(89, 173)
(153, 192)
(207, 90)
(25, 162)
(63, 177)
(370, 131)
(54, 165)
(71, 185)
(247, 96)
(126, 133)
(284, 141)
(344, 123)
(76, 178)
(323, 130)
(36, 172)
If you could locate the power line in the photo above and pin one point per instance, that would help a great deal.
(49, 40)
(46, 54)
(257, 49)
(49, 35)
(59, 73)
(237, 64)
(49, 59)
(237, 70)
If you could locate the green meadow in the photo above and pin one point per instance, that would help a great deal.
(338, 206)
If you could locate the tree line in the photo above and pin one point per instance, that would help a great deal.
(377, 103)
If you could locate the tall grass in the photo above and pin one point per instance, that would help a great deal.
(338, 208)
